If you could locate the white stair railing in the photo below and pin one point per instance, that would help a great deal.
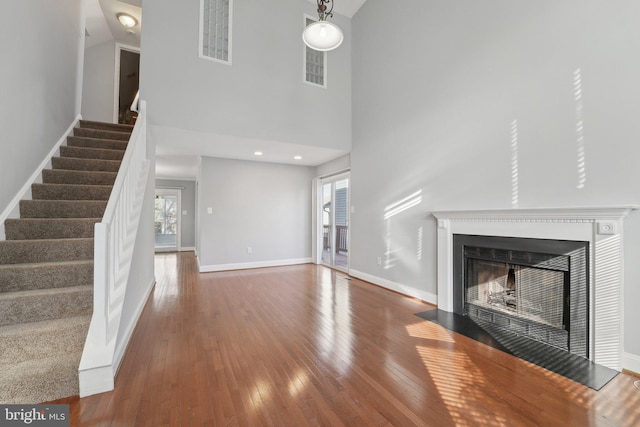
(114, 240)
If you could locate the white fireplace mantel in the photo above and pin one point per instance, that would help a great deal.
(601, 227)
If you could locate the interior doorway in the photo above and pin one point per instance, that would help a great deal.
(127, 83)
(333, 216)
(167, 220)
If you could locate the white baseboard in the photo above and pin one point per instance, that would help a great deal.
(99, 365)
(246, 265)
(121, 347)
(188, 249)
(13, 209)
(631, 362)
(96, 380)
(394, 286)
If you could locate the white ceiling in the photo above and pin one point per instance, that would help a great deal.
(177, 151)
(102, 23)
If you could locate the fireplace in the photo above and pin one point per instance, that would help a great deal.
(596, 335)
(536, 288)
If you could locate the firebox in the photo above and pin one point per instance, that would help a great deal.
(536, 288)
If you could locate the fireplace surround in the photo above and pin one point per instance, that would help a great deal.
(600, 230)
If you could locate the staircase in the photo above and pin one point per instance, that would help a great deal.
(46, 267)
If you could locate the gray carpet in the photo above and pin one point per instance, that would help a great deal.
(46, 267)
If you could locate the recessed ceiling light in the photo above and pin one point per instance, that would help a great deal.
(127, 20)
(258, 153)
(297, 157)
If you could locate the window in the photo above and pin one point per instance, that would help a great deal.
(315, 63)
(215, 30)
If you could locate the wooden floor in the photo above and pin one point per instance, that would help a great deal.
(304, 345)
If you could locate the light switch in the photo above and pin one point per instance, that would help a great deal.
(209, 211)
(184, 212)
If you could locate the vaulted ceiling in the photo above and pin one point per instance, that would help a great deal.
(102, 22)
(102, 25)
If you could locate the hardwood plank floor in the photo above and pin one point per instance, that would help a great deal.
(306, 345)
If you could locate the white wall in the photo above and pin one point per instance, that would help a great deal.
(98, 84)
(262, 95)
(264, 206)
(434, 106)
(41, 44)
(337, 165)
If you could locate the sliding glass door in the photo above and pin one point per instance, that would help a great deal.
(334, 217)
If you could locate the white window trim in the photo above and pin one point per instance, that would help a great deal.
(304, 58)
(201, 36)
(178, 193)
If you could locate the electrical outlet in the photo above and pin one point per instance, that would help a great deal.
(209, 211)
(379, 260)
(249, 250)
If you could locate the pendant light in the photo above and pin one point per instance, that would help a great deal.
(322, 35)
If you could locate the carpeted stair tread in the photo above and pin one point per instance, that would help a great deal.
(118, 127)
(45, 250)
(90, 153)
(102, 134)
(45, 304)
(70, 192)
(88, 142)
(74, 163)
(57, 176)
(57, 336)
(62, 208)
(62, 274)
(47, 228)
(46, 266)
(40, 380)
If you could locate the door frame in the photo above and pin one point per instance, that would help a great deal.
(178, 194)
(317, 237)
(116, 78)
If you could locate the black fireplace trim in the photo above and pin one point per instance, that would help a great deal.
(548, 246)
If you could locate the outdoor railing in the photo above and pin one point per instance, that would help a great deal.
(341, 241)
